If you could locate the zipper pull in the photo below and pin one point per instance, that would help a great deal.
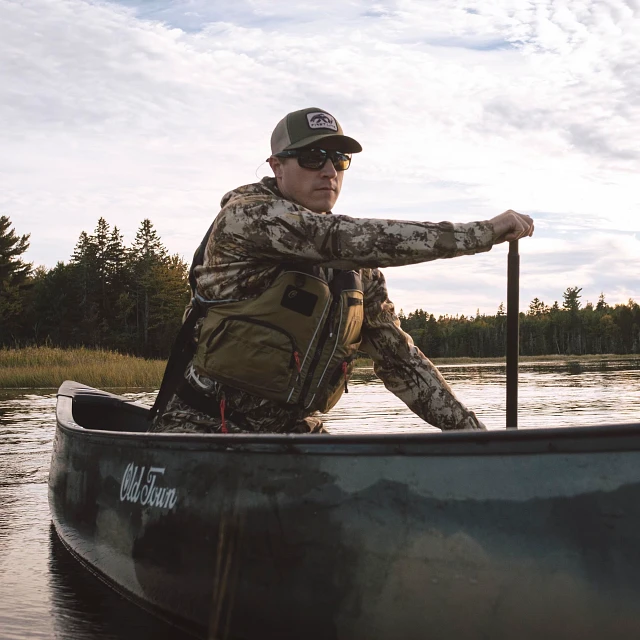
(223, 404)
(296, 357)
(344, 373)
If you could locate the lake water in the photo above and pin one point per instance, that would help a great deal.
(44, 593)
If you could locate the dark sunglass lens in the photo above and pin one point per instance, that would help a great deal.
(315, 159)
(312, 159)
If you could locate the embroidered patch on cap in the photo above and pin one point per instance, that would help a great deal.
(321, 120)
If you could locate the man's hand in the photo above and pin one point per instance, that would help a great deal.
(511, 225)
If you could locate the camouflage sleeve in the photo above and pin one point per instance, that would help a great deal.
(278, 229)
(403, 368)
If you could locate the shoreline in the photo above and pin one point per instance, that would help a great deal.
(47, 367)
(603, 357)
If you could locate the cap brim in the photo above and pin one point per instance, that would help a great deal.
(330, 141)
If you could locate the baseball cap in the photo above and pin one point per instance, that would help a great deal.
(306, 128)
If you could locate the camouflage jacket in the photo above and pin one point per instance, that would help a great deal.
(258, 230)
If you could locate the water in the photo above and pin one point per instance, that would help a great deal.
(563, 394)
(44, 593)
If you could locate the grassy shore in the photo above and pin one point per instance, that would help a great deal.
(46, 367)
(366, 362)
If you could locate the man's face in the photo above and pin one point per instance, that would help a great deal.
(315, 190)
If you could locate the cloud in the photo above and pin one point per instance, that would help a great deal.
(155, 109)
(598, 261)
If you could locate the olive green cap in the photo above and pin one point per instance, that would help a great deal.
(306, 128)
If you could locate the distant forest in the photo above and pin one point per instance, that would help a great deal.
(131, 300)
(128, 299)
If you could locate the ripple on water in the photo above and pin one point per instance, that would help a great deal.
(549, 395)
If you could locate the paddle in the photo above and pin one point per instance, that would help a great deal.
(513, 334)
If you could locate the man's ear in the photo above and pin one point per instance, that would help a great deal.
(276, 167)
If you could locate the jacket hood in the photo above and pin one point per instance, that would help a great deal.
(266, 187)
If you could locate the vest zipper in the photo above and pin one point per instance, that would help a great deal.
(324, 336)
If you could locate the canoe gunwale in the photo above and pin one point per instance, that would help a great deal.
(607, 437)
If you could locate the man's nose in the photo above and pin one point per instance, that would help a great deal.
(328, 170)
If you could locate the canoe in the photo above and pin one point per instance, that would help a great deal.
(531, 533)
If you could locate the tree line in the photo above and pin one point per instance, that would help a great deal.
(131, 299)
(570, 329)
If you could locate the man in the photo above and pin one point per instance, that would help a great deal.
(286, 293)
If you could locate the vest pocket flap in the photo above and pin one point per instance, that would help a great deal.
(256, 354)
(353, 317)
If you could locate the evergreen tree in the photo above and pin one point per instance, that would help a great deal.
(168, 300)
(86, 290)
(146, 255)
(85, 261)
(602, 305)
(54, 315)
(116, 259)
(120, 299)
(571, 302)
(101, 243)
(571, 298)
(14, 275)
(537, 307)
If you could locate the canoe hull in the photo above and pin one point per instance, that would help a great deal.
(438, 536)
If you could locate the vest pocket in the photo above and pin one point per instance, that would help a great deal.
(250, 353)
(336, 385)
(354, 318)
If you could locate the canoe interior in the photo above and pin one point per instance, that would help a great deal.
(95, 409)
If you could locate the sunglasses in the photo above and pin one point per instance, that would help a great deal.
(315, 159)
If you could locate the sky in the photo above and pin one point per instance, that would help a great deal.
(154, 109)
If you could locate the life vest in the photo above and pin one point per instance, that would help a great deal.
(295, 343)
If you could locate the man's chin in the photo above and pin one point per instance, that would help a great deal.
(322, 205)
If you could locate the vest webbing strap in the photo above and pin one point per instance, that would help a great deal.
(183, 347)
(181, 353)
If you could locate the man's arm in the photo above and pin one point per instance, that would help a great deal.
(276, 229)
(403, 368)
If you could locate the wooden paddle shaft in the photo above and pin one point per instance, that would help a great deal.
(513, 333)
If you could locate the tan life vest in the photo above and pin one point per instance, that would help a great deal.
(295, 343)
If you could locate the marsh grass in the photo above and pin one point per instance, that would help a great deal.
(48, 367)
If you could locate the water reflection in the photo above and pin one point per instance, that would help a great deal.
(85, 608)
(24, 596)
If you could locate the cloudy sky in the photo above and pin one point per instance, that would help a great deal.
(154, 109)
